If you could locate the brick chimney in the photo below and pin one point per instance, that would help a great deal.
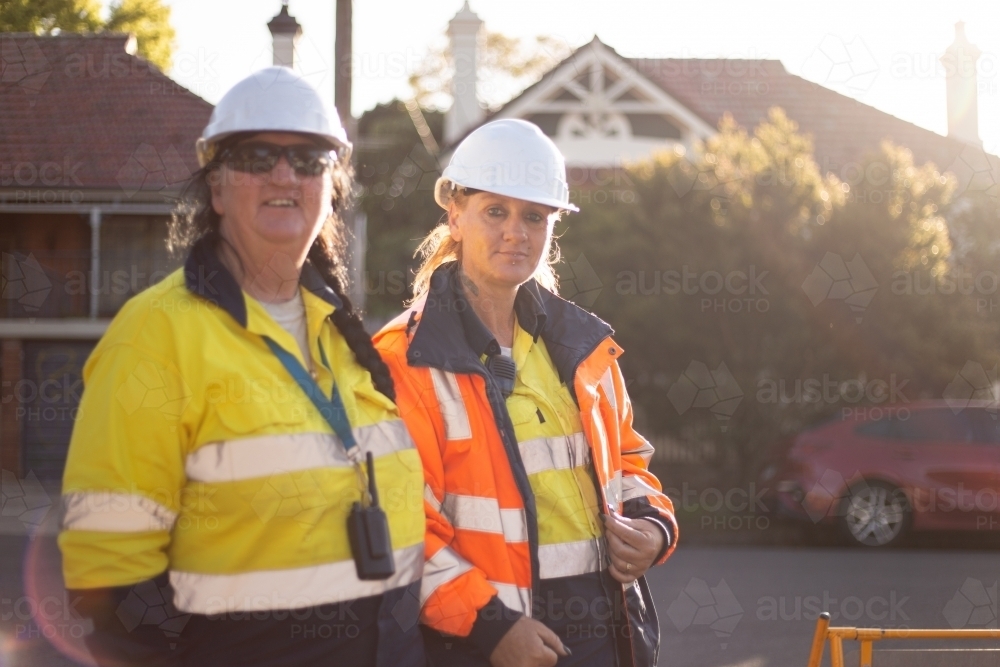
(465, 112)
(285, 32)
(959, 62)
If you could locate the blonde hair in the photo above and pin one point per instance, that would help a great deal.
(439, 248)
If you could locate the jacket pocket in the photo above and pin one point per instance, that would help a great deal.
(522, 410)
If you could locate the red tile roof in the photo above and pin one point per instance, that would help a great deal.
(842, 128)
(80, 112)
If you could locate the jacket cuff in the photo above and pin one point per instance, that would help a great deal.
(119, 636)
(639, 508)
(668, 538)
(492, 622)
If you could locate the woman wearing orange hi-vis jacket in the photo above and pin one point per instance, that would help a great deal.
(542, 515)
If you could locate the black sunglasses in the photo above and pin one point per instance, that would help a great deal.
(259, 157)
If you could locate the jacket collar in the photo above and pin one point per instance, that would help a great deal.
(527, 306)
(451, 336)
(206, 276)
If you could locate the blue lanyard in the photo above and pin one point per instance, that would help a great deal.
(331, 408)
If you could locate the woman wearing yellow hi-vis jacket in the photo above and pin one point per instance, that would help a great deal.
(238, 451)
(542, 516)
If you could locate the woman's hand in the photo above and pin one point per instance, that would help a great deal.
(528, 643)
(634, 544)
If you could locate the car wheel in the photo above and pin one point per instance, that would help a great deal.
(875, 514)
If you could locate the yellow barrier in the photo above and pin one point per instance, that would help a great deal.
(869, 635)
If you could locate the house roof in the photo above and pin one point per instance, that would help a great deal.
(83, 112)
(843, 129)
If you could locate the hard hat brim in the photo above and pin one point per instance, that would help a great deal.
(444, 189)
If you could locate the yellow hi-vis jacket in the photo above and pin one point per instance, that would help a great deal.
(197, 454)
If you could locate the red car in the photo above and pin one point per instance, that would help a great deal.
(881, 472)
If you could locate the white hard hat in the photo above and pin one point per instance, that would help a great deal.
(275, 99)
(507, 157)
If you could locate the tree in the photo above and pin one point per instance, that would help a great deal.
(149, 20)
(396, 175)
(506, 66)
(718, 273)
(42, 17)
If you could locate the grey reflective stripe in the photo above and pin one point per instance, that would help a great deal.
(111, 512)
(485, 515)
(453, 412)
(608, 384)
(518, 599)
(431, 498)
(645, 451)
(568, 559)
(636, 487)
(560, 452)
(444, 566)
(262, 456)
(515, 526)
(613, 489)
(296, 588)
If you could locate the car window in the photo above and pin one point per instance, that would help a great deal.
(985, 424)
(881, 428)
(934, 425)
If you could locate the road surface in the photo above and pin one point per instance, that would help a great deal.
(719, 606)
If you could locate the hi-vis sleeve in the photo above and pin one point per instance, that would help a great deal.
(453, 590)
(125, 470)
(641, 493)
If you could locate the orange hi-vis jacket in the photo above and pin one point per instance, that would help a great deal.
(482, 527)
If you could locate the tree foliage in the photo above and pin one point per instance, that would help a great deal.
(744, 260)
(43, 17)
(505, 66)
(148, 20)
(396, 175)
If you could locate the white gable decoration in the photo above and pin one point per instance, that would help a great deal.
(601, 112)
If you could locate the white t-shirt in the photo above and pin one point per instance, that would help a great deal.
(291, 316)
(507, 352)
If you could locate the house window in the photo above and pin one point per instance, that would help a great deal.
(653, 125)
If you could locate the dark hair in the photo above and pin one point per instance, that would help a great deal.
(194, 218)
